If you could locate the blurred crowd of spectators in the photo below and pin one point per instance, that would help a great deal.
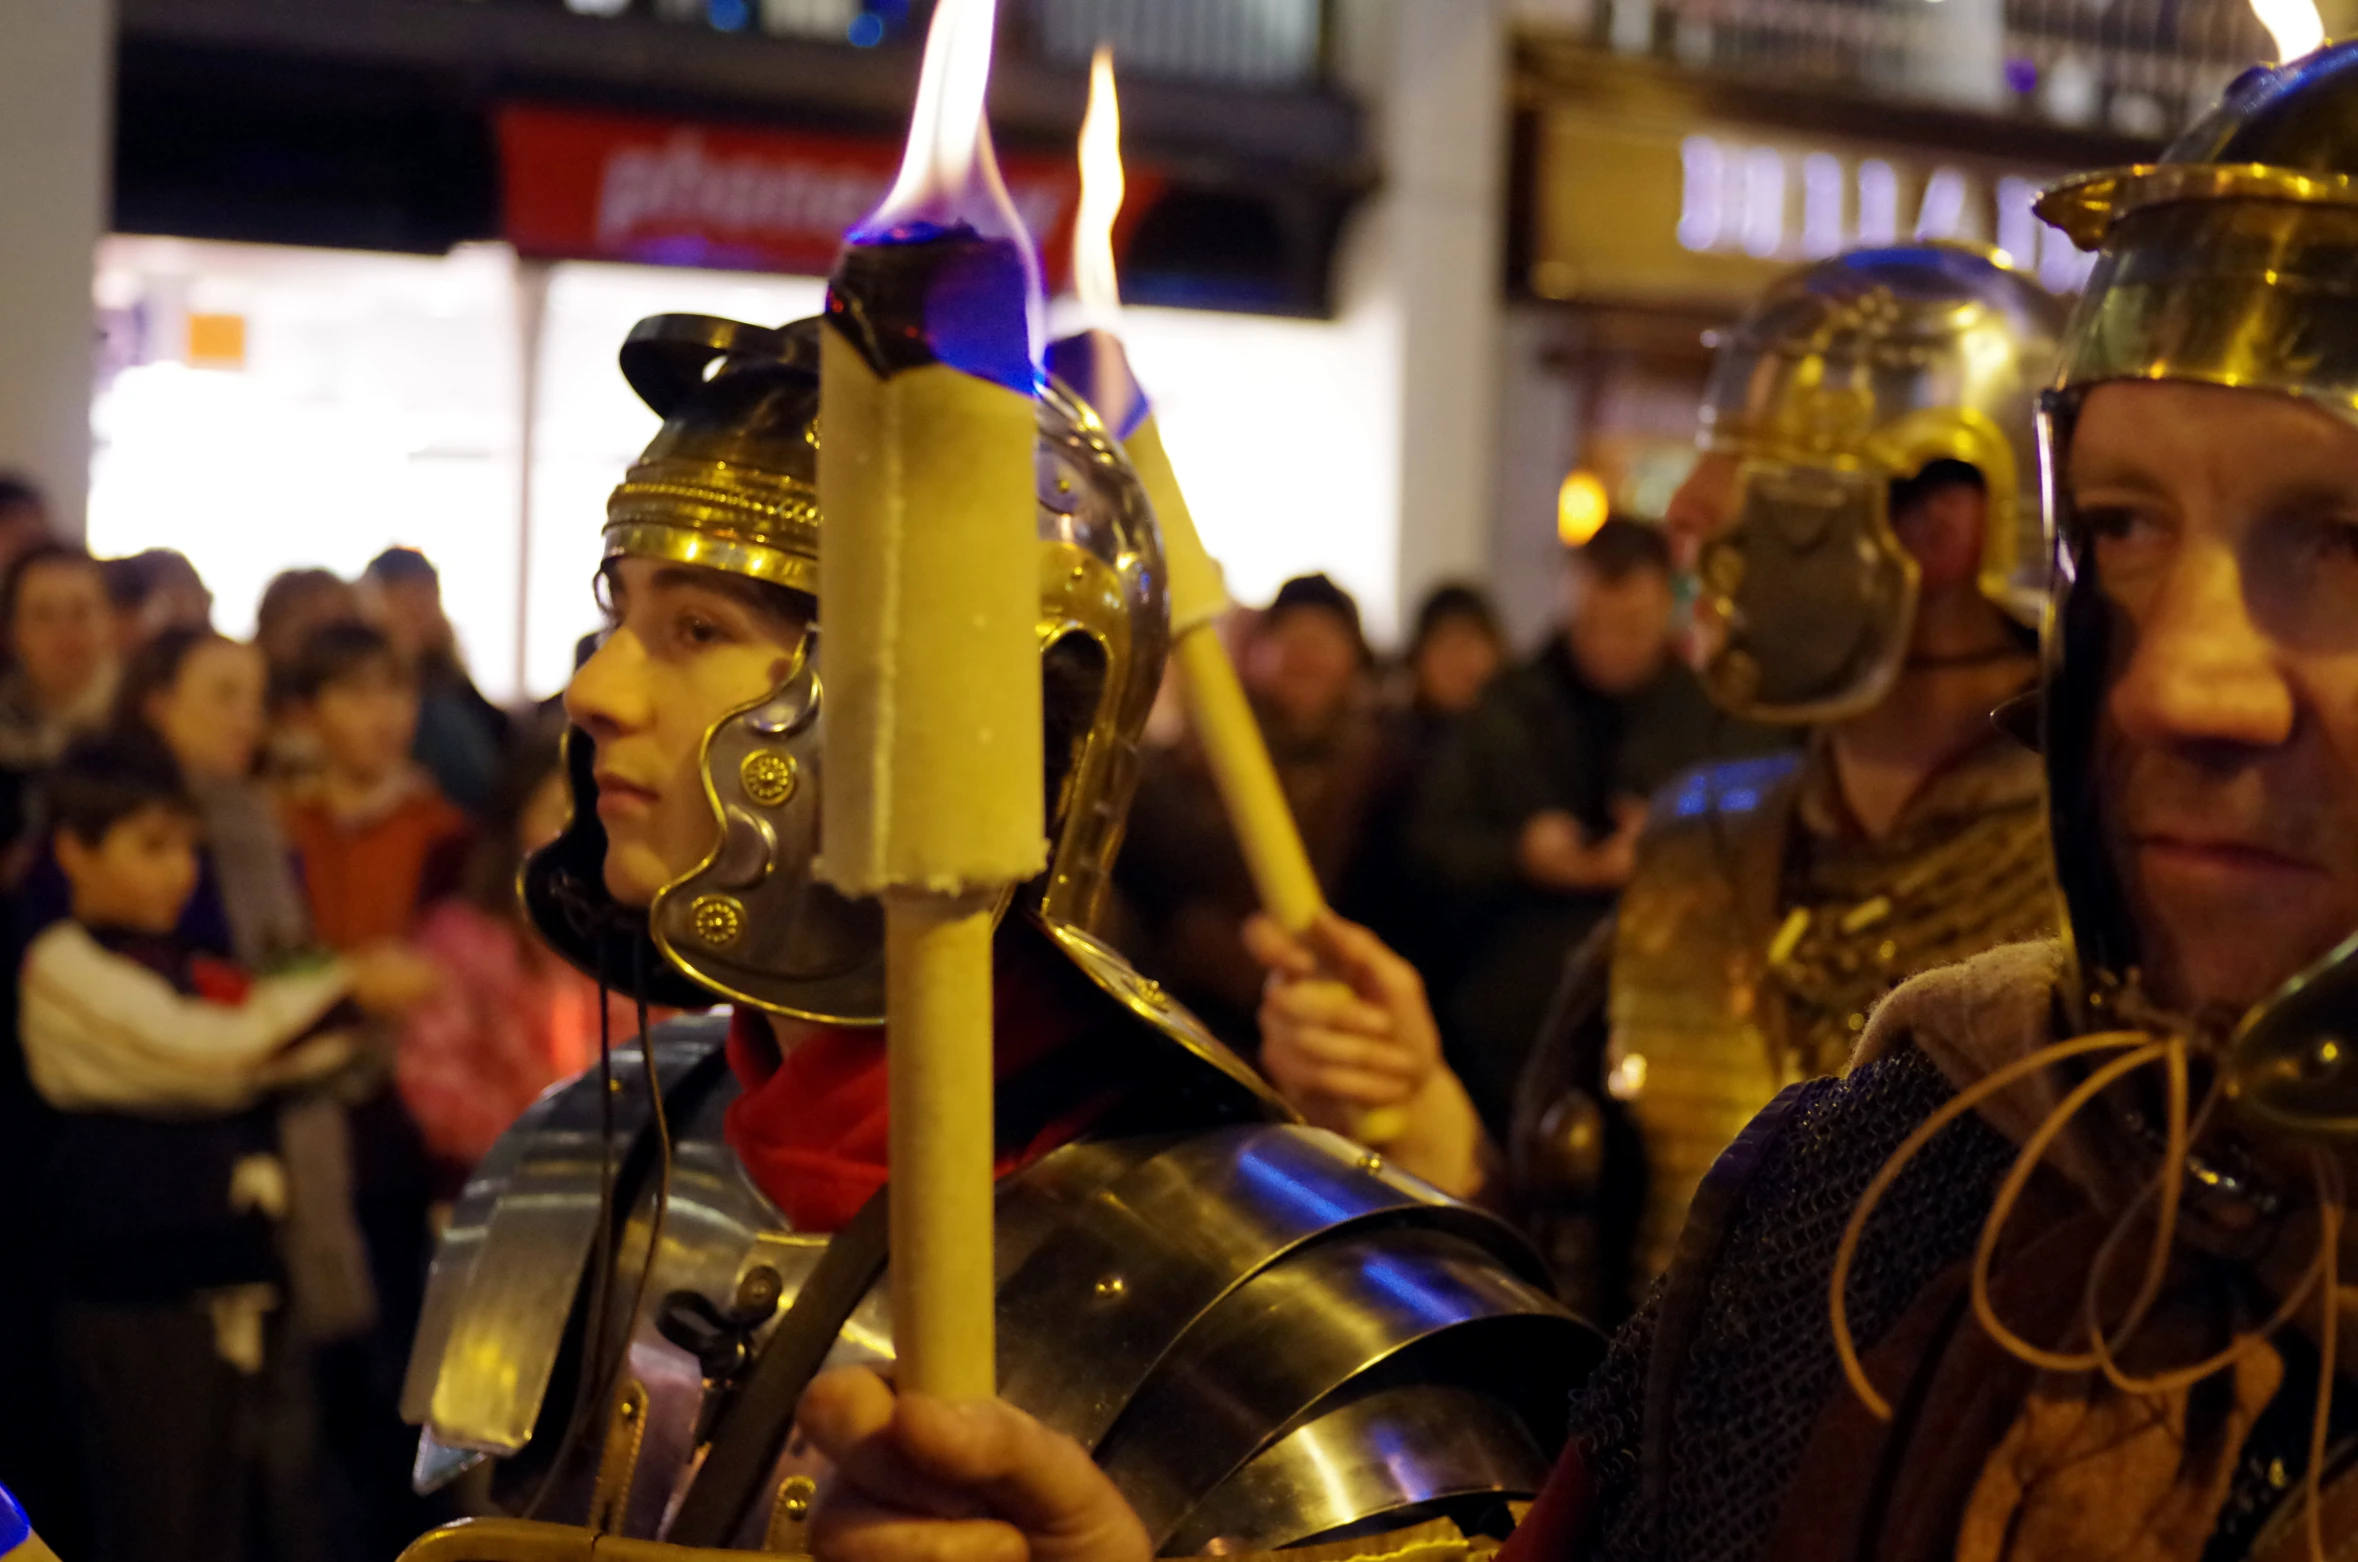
(314, 838)
(300, 850)
(1478, 812)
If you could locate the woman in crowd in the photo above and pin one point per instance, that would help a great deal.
(204, 695)
(1305, 663)
(58, 631)
(24, 517)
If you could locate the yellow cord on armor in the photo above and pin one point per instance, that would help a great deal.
(1948, 1112)
(2017, 1178)
(2165, 1235)
(2323, 1278)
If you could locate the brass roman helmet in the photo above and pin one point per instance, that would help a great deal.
(2234, 262)
(730, 483)
(1846, 377)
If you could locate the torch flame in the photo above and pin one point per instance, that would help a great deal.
(2294, 24)
(1095, 280)
(949, 172)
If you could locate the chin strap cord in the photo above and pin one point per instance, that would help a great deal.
(589, 1386)
(615, 1359)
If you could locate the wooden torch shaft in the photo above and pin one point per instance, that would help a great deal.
(937, 986)
(1241, 769)
(1266, 830)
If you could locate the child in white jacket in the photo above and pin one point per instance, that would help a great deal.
(162, 1185)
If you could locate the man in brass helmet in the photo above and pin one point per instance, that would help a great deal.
(645, 1272)
(1865, 522)
(2056, 1270)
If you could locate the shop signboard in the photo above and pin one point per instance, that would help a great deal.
(582, 185)
(1705, 213)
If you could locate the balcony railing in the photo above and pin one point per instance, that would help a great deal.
(1258, 43)
(1245, 43)
(2139, 67)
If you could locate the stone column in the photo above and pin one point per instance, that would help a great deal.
(1427, 263)
(57, 126)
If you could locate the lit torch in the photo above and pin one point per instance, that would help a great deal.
(928, 370)
(1095, 366)
(2295, 26)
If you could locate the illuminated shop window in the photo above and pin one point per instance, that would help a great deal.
(375, 400)
(262, 408)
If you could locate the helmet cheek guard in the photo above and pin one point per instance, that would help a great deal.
(1808, 596)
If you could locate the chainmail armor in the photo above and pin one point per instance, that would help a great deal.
(1743, 1414)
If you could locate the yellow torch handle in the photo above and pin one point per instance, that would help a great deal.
(1241, 769)
(1257, 810)
(937, 965)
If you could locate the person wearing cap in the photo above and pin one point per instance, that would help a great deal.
(1305, 664)
(2056, 1270)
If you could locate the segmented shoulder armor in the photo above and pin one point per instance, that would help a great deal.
(1264, 1334)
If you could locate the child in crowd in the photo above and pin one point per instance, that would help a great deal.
(377, 838)
(163, 1185)
(377, 841)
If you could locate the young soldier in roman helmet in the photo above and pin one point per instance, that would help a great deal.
(639, 1281)
(1865, 522)
(2057, 1269)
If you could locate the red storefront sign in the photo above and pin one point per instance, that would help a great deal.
(590, 186)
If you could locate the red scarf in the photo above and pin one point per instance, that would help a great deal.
(811, 1126)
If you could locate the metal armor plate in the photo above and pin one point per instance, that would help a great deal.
(1689, 1046)
(1752, 945)
(1265, 1335)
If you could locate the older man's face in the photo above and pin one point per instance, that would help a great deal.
(2225, 529)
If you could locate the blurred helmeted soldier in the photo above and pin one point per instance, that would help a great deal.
(2057, 1269)
(1865, 522)
(644, 1273)
(1867, 515)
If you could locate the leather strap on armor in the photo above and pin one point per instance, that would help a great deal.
(752, 1430)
